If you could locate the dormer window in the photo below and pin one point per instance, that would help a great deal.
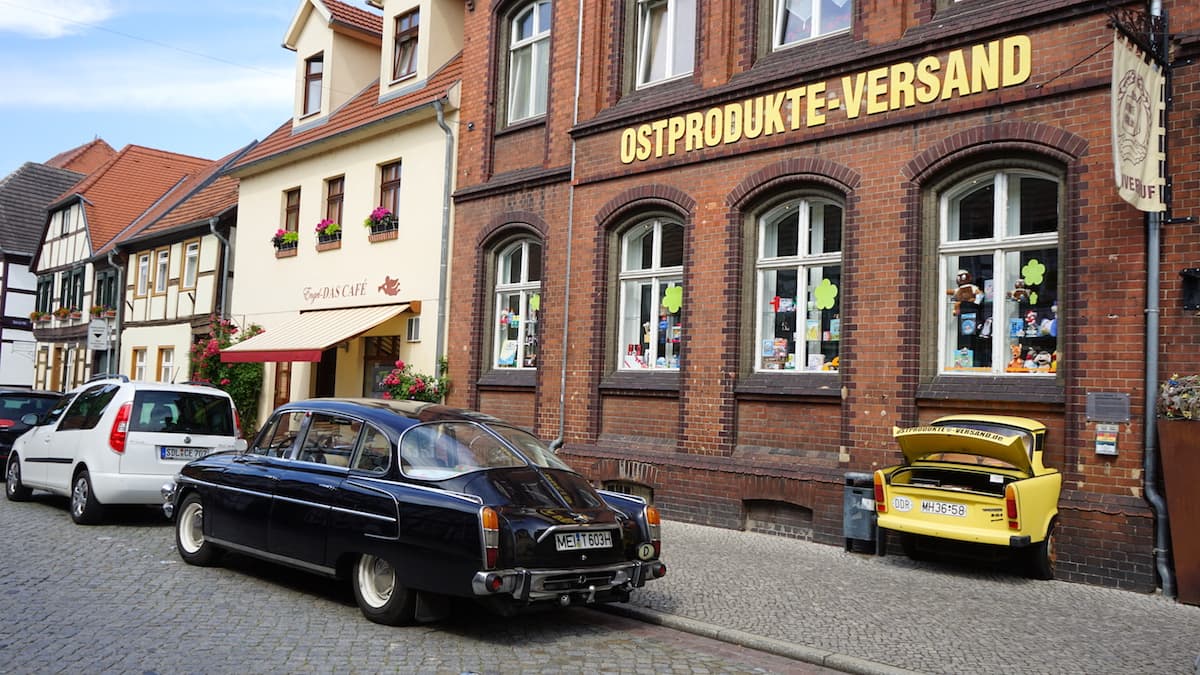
(314, 68)
(404, 55)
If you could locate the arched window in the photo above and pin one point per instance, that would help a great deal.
(651, 291)
(518, 293)
(998, 264)
(799, 278)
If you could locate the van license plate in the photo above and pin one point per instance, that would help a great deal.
(175, 452)
(570, 541)
(943, 508)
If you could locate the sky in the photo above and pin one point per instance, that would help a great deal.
(198, 78)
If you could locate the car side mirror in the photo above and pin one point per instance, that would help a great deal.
(240, 445)
(30, 419)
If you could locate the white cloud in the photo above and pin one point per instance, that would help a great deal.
(37, 18)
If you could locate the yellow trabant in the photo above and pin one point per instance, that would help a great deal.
(972, 478)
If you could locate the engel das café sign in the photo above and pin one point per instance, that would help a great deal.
(976, 69)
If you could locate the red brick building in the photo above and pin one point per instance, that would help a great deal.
(715, 249)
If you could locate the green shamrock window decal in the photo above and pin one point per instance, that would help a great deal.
(1034, 273)
(825, 293)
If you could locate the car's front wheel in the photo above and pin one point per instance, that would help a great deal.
(189, 533)
(1042, 556)
(15, 490)
(85, 508)
(380, 597)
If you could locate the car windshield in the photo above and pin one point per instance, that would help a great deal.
(185, 412)
(445, 449)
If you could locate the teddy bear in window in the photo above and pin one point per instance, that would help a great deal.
(1019, 292)
(967, 291)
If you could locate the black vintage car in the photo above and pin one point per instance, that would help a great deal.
(416, 503)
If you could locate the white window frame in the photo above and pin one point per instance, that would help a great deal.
(191, 264)
(678, 28)
(166, 364)
(162, 270)
(412, 332)
(143, 275)
(659, 278)
(804, 262)
(779, 21)
(536, 75)
(512, 353)
(139, 363)
(1004, 308)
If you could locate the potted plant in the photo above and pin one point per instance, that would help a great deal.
(39, 317)
(284, 242)
(1178, 408)
(381, 222)
(102, 311)
(403, 383)
(63, 312)
(329, 235)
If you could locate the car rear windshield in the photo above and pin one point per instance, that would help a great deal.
(183, 412)
(14, 407)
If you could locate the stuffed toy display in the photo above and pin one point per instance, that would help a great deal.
(967, 291)
(1019, 292)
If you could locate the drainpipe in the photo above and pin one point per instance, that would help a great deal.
(1150, 461)
(562, 380)
(116, 342)
(226, 252)
(443, 272)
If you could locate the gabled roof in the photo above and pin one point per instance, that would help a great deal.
(363, 110)
(24, 196)
(119, 192)
(85, 158)
(338, 16)
(201, 195)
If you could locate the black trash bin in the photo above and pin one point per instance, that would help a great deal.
(858, 512)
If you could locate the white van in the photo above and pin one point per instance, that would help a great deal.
(114, 441)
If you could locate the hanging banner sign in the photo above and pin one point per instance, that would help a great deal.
(1137, 126)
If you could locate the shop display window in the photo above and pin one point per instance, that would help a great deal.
(799, 278)
(999, 264)
(518, 305)
(651, 290)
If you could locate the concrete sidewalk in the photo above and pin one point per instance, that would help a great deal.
(860, 613)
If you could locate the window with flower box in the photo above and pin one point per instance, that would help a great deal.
(998, 269)
(389, 187)
(650, 327)
(798, 282)
(518, 304)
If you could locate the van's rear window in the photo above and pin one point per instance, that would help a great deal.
(183, 412)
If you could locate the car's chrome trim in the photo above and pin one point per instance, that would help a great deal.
(230, 488)
(530, 585)
(408, 486)
(375, 516)
(292, 500)
(273, 557)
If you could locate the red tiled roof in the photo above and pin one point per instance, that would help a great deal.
(119, 192)
(363, 109)
(85, 158)
(354, 17)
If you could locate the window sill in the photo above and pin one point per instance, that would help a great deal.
(329, 245)
(1024, 389)
(522, 125)
(384, 235)
(801, 383)
(639, 382)
(523, 378)
(286, 252)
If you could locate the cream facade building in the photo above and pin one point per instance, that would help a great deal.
(374, 125)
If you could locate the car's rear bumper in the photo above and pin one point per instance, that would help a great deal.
(125, 488)
(567, 586)
(976, 535)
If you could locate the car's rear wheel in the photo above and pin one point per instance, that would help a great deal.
(15, 490)
(85, 508)
(189, 533)
(1041, 556)
(378, 594)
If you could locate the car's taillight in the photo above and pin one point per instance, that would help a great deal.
(120, 429)
(490, 522)
(1010, 507)
(654, 525)
(880, 503)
